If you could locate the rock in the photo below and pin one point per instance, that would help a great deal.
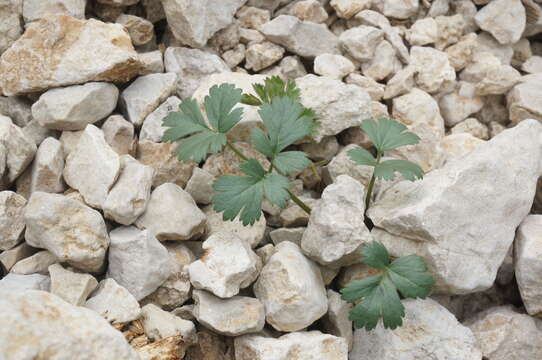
(113, 302)
(460, 104)
(118, 3)
(303, 38)
(92, 167)
(485, 42)
(141, 30)
(498, 81)
(339, 108)
(37, 133)
(45, 173)
(151, 62)
(262, 55)
(228, 264)
(333, 66)
(287, 234)
(9, 258)
(324, 150)
(428, 328)
(423, 32)
(251, 234)
(192, 66)
(524, 102)
(128, 198)
(172, 214)
(160, 324)
(384, 63)
(200, 186)
(73, 232)
(293, 215)
(39, 9)
(471, 264)
(336, 321)
(416, 108)
(433, 70)
(70, 286)
(375, 90)
(527, 263)
(12, 207)
(265, 252)
(458, 145)
(11, 26)
(401, 83)
(69, 140)
(42, 316)
(504, 19)
(533, 65)
(17, 150)
(247, 36)
(145, 94)
(35, 264)
(194, 23)
(172, 347)
(152, 267)
(14, 283)
(450, 30)
(472, 126)
(342, 165)
(119, 134)
(361, 42)
(503, 333)
(235, 316)
(399, 9)
(312, 345)
(347, 8)
(235, 56)
(460, 54)
(309, 10)
(31, 64)
(161, 157)
(250, 17)
(17, 108)
(291, 288)
(336, 231)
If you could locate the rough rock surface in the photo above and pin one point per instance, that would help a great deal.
(12, 225)
(70, 286)
(113, 302)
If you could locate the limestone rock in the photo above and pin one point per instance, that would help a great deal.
(333, 66)
(73, 232)
(40, 9)
(16, 150)
(347, 8)
(375, 90)
(159, 324)
(309, 10)
(152, 129)
(423, 32)
(459, 144)
(504, 19)
(471, 126)
(434, 223)
(460, 104)
(200, 186)
(70, 286)
(33, 64)
(141, 30)
(401, 83)
(18, 108)
(342, 165)
(533, 65)
(460, 54)
(10, 257)
(137, 261)
(291, 288)
(235, 56)
(262, 55)
(151, 62)
(450, 30)
(119, 134)
(524, 102)
(336, 231)
(304, 38)
(92, 167)
(172, 214)
(12, 207)
(12, 283)
(11, 26)
(35, 264)
(399, 9)
(287, 234)
(43, 317)
(37, 133)
(384, 63)
(251, 17)
(235, 316)
(113, 302)
(252, 234)
(361, 42)
(228, 264)
(433, 70)
(336, 321)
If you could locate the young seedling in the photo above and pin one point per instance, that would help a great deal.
(379, 294)
(386, 134)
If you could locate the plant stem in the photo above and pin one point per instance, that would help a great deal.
(236, 151)
(371, 184)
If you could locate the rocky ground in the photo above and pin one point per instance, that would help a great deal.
(113, 250)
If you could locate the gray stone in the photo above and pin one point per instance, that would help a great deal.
(361, 42)
(152, 129)
(114, 303)
(333, 66)
(159, 324)
(119, 134)
(252, 234)
(504, 19)
(18, 150)
(35, 264)
(141, 30)
(12, 207)
(12, 283)
(200, 186)
(262, 55)
(524, 102)
(336, 321)
(70, 286)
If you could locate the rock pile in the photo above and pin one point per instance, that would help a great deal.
(113, 249)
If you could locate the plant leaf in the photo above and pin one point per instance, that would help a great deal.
(273, 87)
(388, 134)
(290, 161)
(219, 104)
(361, 157)
(243, 195)
(378, 296)
(410, 171)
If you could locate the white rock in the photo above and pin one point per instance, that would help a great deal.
(524, 102)
(348, 8)
(159, 324)
(324, 150)
(336, 231)
(309, 10)
(533, 65)
(339, 108)
(172, 214)
(471, 264)
(192, 66)
(399, 9)
(12, 207)
(485, 42)
(504, 19)
(57, 328)
(73, 232)
(200, 186)
(251, 17)
(235, 316)
(459, 144)
(152, 128)
(460, 54)
(428, 330)
(69, 140)
(12, 283)
(228, 264)
(119, 134)
(262, 55)
(113, 302)
(361, 42)
(498, 81)
(423, 32)
(10, 257)
(417, 107)
(36, 264)
(145, 94)
(18, 108)
(18, 150)
(473, 127)
(252, 234)
(12, 23)
(312, 345)
(433, 70)
(193, 23)
(342, 165)
(460, 104)
(70, 286)
(92, 167)
(137, 261)
(291, 288)
(401, 83)
(235, 56)
(287, 234)
(304, 38)
(450, 30)
(337, 322)
(141, 30)
(384, 63)
(503, 333)
(151, 62)
(375, 90)
(39, 9)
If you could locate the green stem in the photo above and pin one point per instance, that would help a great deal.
(236, 151)
(371, 184)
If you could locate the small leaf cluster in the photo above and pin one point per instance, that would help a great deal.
(378, 296)
(285, 121)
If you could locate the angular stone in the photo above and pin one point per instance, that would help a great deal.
(119, 134)
(17, 108)
(458, 145)
(469, 265)
(485, 42)
(304, 38)
(309, 10)
(423, 32)
(343, 165)
(460, 54)
(291, 288)
(114, 303)
(12, 207)
(262, 55)
(235, 56)
(44, 317)
(361, 42)
(152, 267)
(251, 17)
(252, 234)
(12, 23)
(460, 104)
(35, 264)
(450, 30)
(16, 150)
(287, 234)
(159, 324)
(12, 283)
(336, 231)
(336, 321)
(524, 102)
(141, 30)
(347, 8)
(333, 66)
(428, 328)
(399, 9)
(504, 19)
(375, 90)
(235, 316)
(40, 9)
(69, 140)
(228, 264)
(473, 127)
(151, 62)
(192, 66)
(384, 63)
(418, 107)
(73, 232)
(200, 186)
(37, 133)
(31, 64)
(433, 70)
(401, 83)
(70, 286)
(172, 214)
(92, 167)
(10, 257)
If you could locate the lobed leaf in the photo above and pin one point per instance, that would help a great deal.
(362, 157)
(290, 161)
(273, 87)
(410, 171)
(388, 134)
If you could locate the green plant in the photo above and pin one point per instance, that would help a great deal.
(386, 134)
(379, 294)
